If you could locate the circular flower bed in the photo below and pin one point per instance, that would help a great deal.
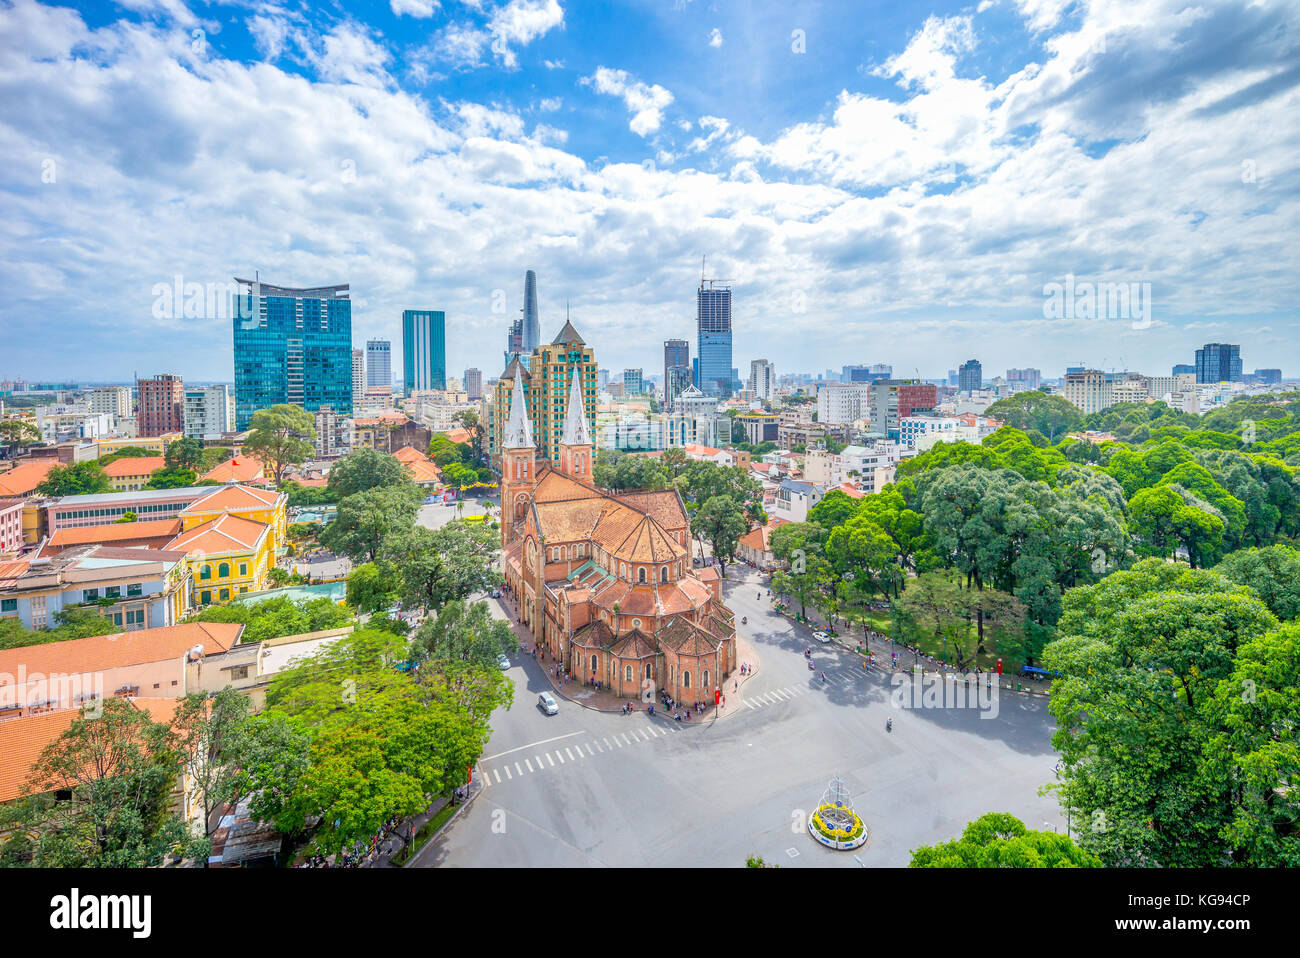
(837, 826)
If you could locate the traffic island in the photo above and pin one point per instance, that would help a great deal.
(835, 824)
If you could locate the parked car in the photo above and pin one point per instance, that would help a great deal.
(546, 702)
(503, 662)
(821, 636)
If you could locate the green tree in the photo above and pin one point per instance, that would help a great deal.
(437, 566)
(185, 453)
(212, 739)
(721, 521)
(365, 520)
(16, 433)
(77, 479)
(1051, 415)
(1000, 840)
(1272, 573)
(279, 616)
(281, 436)
(366, 469)
(372, 586)
(464, 632)
(119, 768)
(173, 477)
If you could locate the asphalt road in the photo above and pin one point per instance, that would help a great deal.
(585, 788)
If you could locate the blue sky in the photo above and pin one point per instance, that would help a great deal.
(883, 182)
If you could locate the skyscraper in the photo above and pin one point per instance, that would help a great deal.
(762, 379)
(474, 383)
(358, 378)
(633, 382)
(713, 349)
(970, 376)
(424, 349)
(677, 357)
(379, 362)
(1031, 378)
(1218, 363)
(531, 329)
(209, 412)
(160, 405)
(292, 346)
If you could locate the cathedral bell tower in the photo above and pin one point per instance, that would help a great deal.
(518, 463)
(575, 444)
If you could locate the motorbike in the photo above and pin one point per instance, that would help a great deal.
(744, 620)
(810, 665)
(889, 725)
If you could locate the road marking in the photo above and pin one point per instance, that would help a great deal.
(606, 740)
(570, 751)
(498, 775)
(487, 779)
(590, 750)
(617, 742)
(518, 769)
(749, 703)
(532, 745)
(530, 766)
(549, 759)
(560, 756)
(625, 739)
(780, 695)
(508, 775)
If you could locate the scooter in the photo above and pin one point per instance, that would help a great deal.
(810, 665)
(889, 725)
(744, 620)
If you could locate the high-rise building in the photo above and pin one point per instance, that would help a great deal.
(1031, 379)
(892, 400)
(160, 402)
(1268, 377)
(762, 379)
(114, 401)
(531, 327)
(1181, 368)
(602, 379)
(970, 376)
(379, 362)
(424, 350)
(677, 357)
(358, 378)
(1091, 390)
(713, 350)
(292, 345)
(474, 383)
(633, 382)
(546, 378)
(515, 340)
(1218, 363)
(209, 412)
(952, 377)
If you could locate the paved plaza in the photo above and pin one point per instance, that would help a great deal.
(591, 788)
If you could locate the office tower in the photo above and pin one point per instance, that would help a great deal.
(1268, 377)
(292, 345)
(358, 378)
(1090, 389)
(633, 382)
(677, 357)
(160, 404)
(114, 401)
(952, 377)
(762, 379)
(474, 383)
(531, 326)
(714, 374)
(546, 375)
(1030, 378)
(854, 374)
(892, 400)
(1218, 363)
(1184, 368)
(379, 362)
(424, 350)
(209, 412)
(602, 379)
(970, 376)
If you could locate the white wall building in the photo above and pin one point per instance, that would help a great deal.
(209, 412)
(839, 403)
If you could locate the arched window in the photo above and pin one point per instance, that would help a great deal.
(223, 570)
(205, 572)
(627, 673)
(641, 575)
(705, 686)
(649, 669)
(663, 573)
(593, 663)
(686, 680)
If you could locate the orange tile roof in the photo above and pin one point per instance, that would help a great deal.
(695, 449)
(22, 479)
(25, 738)
(759, 538)
(410, 454)
(459, 435)
(115, 532)
(228, 533)
(229, 498)
(424, 471)
(240, 469)
(850, 490)
(101, 652)
(134, 466)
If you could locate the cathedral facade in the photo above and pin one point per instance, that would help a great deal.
(604, 580)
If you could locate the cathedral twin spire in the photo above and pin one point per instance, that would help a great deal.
(576, 431)
(519, 430)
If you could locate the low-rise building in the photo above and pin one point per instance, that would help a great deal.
(795, 498)
(755, 547)
(132, 474)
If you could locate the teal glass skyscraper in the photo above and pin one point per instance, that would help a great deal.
(713, 372)
(292, 346)
(424, 349)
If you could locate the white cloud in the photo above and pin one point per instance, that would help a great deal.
(550, 104)
(646, 102)
(420, 9)
(715, 37)
(516, 24)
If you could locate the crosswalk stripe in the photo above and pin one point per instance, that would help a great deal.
(749, 703)
(607, 745)
(590, 750)
(599, 748)
(487, 779)
(518, 769)
(508, 775)
(498, 775)
(781, 695)
(625, 739)
(617, 742)
(529, 764)
(549, 759)
(570, 751)
(560, 756)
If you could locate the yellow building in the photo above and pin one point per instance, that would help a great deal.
(132, 474)
(157, 444)
(546, 381)
(232, 536)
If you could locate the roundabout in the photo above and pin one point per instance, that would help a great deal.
(835, 824)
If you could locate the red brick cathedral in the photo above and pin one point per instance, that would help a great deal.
(604, 579)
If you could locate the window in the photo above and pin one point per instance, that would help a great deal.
(223, 570)
(627, 673)
(205, 597)
(663, 573)
(706, 680)
(135, 589)
(593, 663)
(686, 680)
(205, 573)
(239, 672)
(641, 575)
(89, 595)
(113, 592)
(8, 605)
(243, 568)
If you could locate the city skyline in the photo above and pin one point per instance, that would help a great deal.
(1000, 129)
